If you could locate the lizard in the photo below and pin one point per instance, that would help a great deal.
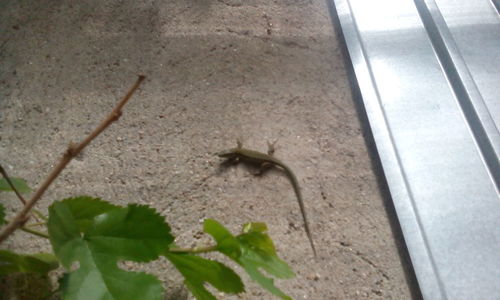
(266, 161)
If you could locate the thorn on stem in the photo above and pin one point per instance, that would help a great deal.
(23, 220)
(116, 115)
(71, 151)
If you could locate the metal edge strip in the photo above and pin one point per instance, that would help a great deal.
(423, 263)
(476, 113)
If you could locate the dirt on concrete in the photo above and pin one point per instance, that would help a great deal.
(217, 70)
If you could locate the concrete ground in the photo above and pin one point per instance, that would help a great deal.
(217, 70)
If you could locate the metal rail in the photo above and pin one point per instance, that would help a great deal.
(429, 75)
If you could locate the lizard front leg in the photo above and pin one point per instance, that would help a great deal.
(267, 165)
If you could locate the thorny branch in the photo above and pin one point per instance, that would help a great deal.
(72, 151)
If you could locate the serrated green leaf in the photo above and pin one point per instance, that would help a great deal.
(135, 233)
(19, 183)
(254, 235)
(263, 254)
(41, 263)
(254, 227)
(226, 242)
(2, 214)
(253, 249)
(197, 270)
(84, 209)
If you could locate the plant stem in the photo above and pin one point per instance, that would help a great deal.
(7, 178)
(35, 232)
(193, 250)
(19, 196)
(39, 214)
(36, 224)
(72, 151)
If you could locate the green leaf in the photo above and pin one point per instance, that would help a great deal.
(263, 251)
(2, 214)
(253, 249)
(19, 183)
(197, 270)
(84, 209)
(40, 263)
(254, 227)
(135, 233)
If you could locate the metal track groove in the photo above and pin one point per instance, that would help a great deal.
(429, 77)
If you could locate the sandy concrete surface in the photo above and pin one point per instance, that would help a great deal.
(217, 70)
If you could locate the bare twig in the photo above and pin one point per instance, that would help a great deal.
(7, 178)
(72, 151)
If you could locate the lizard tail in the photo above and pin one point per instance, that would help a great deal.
(298, 193)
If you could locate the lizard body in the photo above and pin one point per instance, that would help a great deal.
(267, 160)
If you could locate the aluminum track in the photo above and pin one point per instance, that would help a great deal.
(429, 76)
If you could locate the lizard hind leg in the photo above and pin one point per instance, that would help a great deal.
(263, 168)
(271, 148)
